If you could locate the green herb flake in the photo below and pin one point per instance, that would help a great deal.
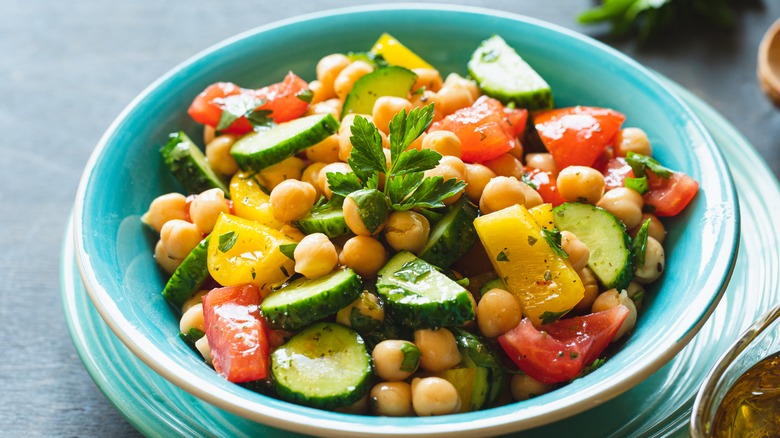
(490, 56)
(411, 358)
(639, 185)
(640, 164)
(413, 271)
(553, 239)
(502, 257)
(305, 95)
(526, 178)
(573, 355)
(260, 118)
(550, 317)
(547, 275)
(639, 244)
(288, 250)
(532, 240)
(226, 241)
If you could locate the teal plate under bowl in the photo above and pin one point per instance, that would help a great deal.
(114, 251)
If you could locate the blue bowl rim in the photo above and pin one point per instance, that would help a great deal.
(507, 419)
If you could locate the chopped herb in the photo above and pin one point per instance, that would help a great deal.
(463, 281)
(532, 240)
(227, 240)
(411, 357)
(639, 244)
(547, 275)
(553, 239)
(502, 257)
(638, 185)
(288, 250)
(549, 317)
(260, 118)
(526, 178)
(592, 367)
(482, 136)
(413, 271)
(573, 355)
(284, 271)
(641, 163)
(419, 91)
(254, 274)
(305, 95)
(236, 106)
(490, 56)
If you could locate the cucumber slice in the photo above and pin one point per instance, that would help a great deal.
(324, 366)
(418, 295)
(304, 301)
(388, 81)
(606, 238)
(190, 274)
(188, 165)
(452, 236)
(258, 150)
(501, 73)
(475, 352)
(328, 221)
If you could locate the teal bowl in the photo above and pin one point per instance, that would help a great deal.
(125, 172)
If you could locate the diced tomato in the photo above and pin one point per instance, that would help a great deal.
(547, 186)
(280, 98)
(562, 349)
(486, 129)
(615, 173)
(576, 136)
(669, 196)
(236, 332)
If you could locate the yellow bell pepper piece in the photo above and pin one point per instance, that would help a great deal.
(545, 283)
(543, 215)
(251, 202)
(396, 53)
(243, 251)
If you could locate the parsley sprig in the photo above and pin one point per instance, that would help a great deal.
(406, 186)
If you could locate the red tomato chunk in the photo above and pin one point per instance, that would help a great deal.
(669, 196)
(236, 333)
(615, 173)
(547, 186)
(562, 349)
(576, 136)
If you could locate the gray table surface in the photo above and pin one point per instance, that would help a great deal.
(67, 68)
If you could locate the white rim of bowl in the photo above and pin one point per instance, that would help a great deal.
(182, 377)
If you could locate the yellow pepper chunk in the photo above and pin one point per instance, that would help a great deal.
(544, 282)
(243, 251)
(251, 202)
(396, 53)
(543, 215)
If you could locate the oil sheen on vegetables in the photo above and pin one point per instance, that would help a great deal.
(751, 408)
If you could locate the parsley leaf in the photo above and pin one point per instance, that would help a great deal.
(553, 239)
(367, 157)
(639, 244)
(401, 185)
(260, 117)
(305, 95)
(227, 240)
(640, 163)
(414, 160)
(430, 193)
(343, 183)
(404, 129)
(549, 317)
(526, 178)
(639, 185)
(288, 250)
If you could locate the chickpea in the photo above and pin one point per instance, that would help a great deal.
(450, 99)
(206, 208)
(407, 230)
(434, 396)
(497, 312)
(506, 165)
(179, 238)
(632, 140)
(196, 298)
(541, 161)
(326, 151)
(370, 313)
(358, 408)
(443, 142)
(385, 108)
(395, 360)
(168, 263)
(290, 168)
(292, 199)
(364, 254)
(532, 197)
(328, 69)
(524, 387)
(501, 192)
(449, 168)
(427, 77)
(636, 292)
(655, 260)
(581, 184)
(202, 345)
(477, 177)
(209, 132)
(218, 154)
(611, 298)
(192, 318)
(315, 256)
(347, 77)
(355, 221)
(311, 175)
(322, 179)
(318, 93)
(164, 208)
(332, 106)
(577, 250)
(626, 204)
(591, 291)
(438, 349)
(458, 81)
(517, 151)
(392, 399)
(292, 232)
(655, 230)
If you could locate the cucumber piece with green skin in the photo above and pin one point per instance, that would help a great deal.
(502, 74)
(328, 221)
(188, 165)
(476, 352)
(189, 276)
(387, 81)
(260, 149)
(605, 236)
(325, 366)
(416, 294)
(495, 283)
(452, 236)
(304, 301)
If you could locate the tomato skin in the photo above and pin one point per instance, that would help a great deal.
(615, 173)
(562, 349)
(236, 332)
(576, 136)
(669, 196)
(547, 186)
(280, 99)
(486, 129)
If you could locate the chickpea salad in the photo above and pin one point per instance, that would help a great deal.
(388, 240)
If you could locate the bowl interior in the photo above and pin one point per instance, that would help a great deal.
(125, 173)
